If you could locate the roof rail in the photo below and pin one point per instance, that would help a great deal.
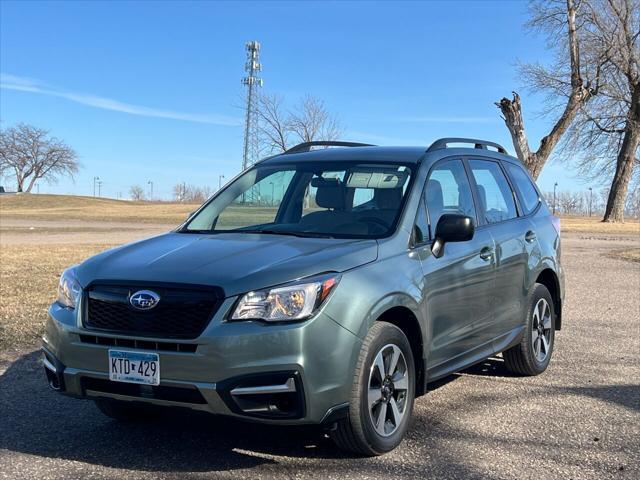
(306, 146)
(482, 144)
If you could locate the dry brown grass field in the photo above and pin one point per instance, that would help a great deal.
(595, 225)
(40, 235)
(34, 269)
(66, 207)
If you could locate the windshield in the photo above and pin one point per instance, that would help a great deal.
(315, 199)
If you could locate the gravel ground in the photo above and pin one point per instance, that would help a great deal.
(581, 419)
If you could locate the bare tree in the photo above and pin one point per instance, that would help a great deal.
(136, 192)
(273, 123)
(605, 135)
(311, 121)
(569, 203)
(557, 20)
(179, 191)
(191, 193)
(29, 154)
(597, 87)
(281, 128)
(612, 124)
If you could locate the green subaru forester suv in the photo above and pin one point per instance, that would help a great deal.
(323, 286)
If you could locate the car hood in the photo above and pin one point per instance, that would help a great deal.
(235, 262)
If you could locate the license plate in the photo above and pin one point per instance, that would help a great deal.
(134, 367)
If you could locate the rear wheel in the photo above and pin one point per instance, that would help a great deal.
(382, 395)
(532, 355)
(126, 411)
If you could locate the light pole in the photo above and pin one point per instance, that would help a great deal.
(590, 199)
(273, 189)
(554, 197)
(220, 177)
(150, 189)
(95, 179)
(99, 187)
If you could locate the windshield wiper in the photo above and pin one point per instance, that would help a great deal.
(261, 230)
(286, 232)
(201, 232)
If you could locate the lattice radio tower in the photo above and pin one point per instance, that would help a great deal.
(252, 81)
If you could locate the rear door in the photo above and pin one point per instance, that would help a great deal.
(498, 211)
(458, 285)
(530, 202)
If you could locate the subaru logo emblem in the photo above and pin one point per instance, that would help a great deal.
(144, 299)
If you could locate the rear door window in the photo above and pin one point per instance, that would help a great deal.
(529, 196)
(497, 203)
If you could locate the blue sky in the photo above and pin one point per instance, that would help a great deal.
(151, 90)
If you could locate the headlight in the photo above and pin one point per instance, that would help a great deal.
(68, 288)
(286, 303)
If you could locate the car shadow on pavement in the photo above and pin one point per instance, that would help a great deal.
(627, 396)
(36, 420)
(491, 367)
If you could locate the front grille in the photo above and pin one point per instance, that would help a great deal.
(181, 312)
(159, 392)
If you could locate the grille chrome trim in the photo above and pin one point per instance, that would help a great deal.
(287, 387)
(48, 365)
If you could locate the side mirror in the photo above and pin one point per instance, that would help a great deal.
(452, 228)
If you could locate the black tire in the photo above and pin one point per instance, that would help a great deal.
(524, 358)
(357, 433)
(126, 412)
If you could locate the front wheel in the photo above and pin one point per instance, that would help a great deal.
(382, 394)
(532, 355)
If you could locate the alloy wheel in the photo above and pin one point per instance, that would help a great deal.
(541, 330)
(388, 390)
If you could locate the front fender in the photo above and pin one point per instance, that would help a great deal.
(365, 293)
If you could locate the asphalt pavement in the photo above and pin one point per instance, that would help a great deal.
(580, 419)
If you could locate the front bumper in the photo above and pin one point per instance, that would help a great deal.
(289, 373)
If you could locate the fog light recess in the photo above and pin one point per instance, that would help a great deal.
(273, 395)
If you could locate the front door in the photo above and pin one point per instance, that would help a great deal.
(458, 285)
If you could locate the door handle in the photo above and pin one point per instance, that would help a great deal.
(530, 236)
(486, 253)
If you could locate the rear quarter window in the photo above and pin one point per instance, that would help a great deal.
(528, 194)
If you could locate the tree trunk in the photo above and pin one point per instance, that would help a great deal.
(625, 162)
(512, 112)
(19, 180)
(32, 183)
